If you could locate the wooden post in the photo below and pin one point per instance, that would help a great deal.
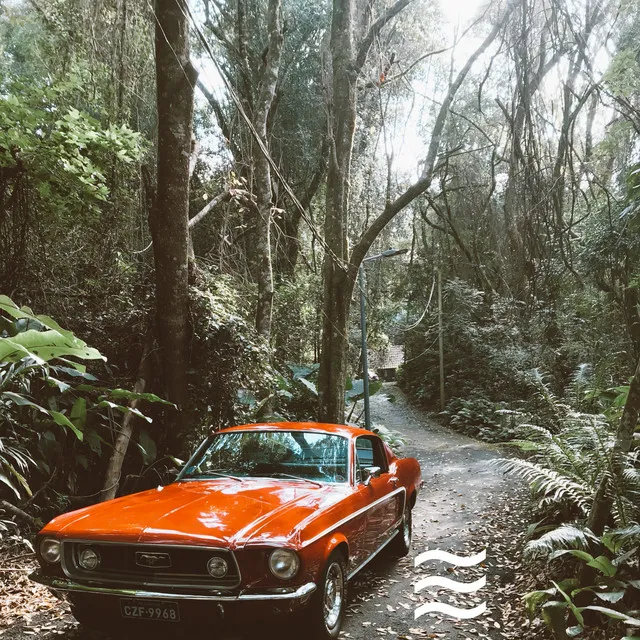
(441, 342)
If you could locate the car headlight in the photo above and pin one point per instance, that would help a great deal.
(50, 550)
(217, 567)
(284, 563)
(89, 559)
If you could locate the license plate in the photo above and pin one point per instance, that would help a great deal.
(138, 609)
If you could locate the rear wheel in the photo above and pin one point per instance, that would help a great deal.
(401, 543)
(328, 604)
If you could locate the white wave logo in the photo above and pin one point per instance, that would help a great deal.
(444, 556)
(446, 583)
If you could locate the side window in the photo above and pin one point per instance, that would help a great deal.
(369, 453)
(364, 451)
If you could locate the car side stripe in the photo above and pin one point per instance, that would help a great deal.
(356, 514)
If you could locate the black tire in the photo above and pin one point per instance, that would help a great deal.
(86, 617)
(401, 543)
(328, 605)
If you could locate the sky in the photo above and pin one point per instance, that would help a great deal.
(460, 10)
(457, 15)
(410, 146)
(409, 142)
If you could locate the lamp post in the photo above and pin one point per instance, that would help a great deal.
(389, 253)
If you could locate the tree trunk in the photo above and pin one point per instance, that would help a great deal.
(262, 169)
(334, 354)
(176, 79)
(338, 285)
(120, 446)
(630, 304)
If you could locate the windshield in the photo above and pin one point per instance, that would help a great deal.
(303, 455)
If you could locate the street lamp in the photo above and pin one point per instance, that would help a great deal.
(389, 253)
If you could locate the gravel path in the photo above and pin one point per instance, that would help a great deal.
(466, 506)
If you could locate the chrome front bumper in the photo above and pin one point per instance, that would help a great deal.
(65, 585)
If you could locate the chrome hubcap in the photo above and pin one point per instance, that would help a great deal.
(333, 595)
(406, 529)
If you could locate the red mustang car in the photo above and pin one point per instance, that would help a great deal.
(279, 514)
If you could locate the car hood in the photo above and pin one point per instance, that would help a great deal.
(224, 512)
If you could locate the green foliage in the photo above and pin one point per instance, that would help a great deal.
(230, 371)
(564, 465)
(61, 152)
(354, 389)
(392, 438)
(485, 354)
(480, 418)
(613, 586)
(54, 419)
(296, 397)
(41, 344)
(297, 393)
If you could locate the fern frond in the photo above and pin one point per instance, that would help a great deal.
(566, 536)
(628, 534)
(572, 453)
(631, 475)
(582, 375)
(549, 484)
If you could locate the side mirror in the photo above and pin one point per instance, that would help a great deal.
(371, 472)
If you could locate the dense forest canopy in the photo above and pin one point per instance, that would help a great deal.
(192, 187)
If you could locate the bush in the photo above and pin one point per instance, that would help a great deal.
(485, 352)
(480, 418)
(564, 463)
(55, 420)
(230, 369)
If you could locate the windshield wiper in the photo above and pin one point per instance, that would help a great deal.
(219, 474)
(279, 474)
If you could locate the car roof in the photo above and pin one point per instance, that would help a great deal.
(317, 427)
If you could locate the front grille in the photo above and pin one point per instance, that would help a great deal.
(178, 565)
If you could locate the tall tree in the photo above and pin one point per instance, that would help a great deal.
(262, 170)
(278, 83)
(350, 46)
(176, 78)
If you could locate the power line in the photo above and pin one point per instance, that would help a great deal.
(340, 263)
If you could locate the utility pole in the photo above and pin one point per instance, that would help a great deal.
(389, 253)
(365, 355)
(441, 342)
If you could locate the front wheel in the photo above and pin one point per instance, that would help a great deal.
(328, 604)
(86, 615)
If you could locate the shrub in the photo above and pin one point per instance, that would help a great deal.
(55, 420)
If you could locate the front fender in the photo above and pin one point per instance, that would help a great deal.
(337, 540)
(315, 556)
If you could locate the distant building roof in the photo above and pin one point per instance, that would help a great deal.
(390, 358)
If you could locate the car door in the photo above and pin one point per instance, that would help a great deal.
(381, 493)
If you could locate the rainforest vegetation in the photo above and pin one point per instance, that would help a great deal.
(188, 190)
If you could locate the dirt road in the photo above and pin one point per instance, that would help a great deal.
(466, 507)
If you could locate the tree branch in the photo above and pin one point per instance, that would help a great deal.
(225, 196)
(220, 117)
(375, 29)
(371, 84)
(422, 184)
(13, 510)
